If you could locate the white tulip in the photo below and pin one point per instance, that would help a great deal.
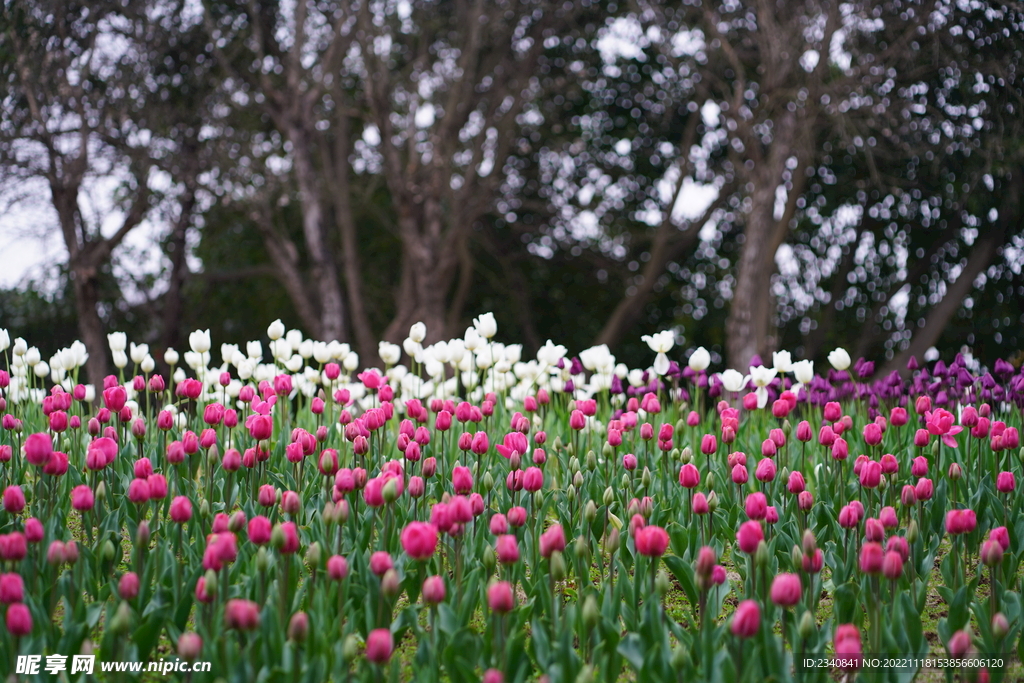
(276, 330)
(294, 364)
(456, 351)
(118, 341)
(513, 352)
(839, 359)
(661, 364)
(439, 352)
(148, 364)
(120, 359)
(306, 349)
(5, 339)
(597, 358)
(311, 375)
(254, 350)
(636, 377)
(803, 371)
(321, 352)
(412, 348)
(199, 341)
(171, 357)
(434, 368)
(337, 351)
(550, 354)
(280, 350)
(662, 342)
(484, 357)
(699, 359)
(90, 393)
(32, 356)
(79, 352)
(782, 361)
(486, 326)
(733, 380)
(389, 353)
(138, 352)
(41, 369)
(294, 338)
(351, 362)
(472, 339)
(762, 377)
(20, 346)
(245, 369)
(418, 332)
(68, 358)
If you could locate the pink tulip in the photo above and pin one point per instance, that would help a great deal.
(746, 620)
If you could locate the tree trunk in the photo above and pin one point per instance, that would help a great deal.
(749, 328)
(323, 273)
(985, 249)
(341, 194)
(428, 268)
(285, 257)
(171, 333)
(90, 327)
(941, 313)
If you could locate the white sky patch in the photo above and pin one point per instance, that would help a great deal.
(710, 113)
(687, 43)
(623, 38)
(425, 115)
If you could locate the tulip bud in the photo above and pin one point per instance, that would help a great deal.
(761, 554)
(121, 623)
(1000, 626)
(810, 544)
(807, 626)
(586, 675)
(609, 496)
(591, 461)
(645, 479)
(591, 613)
(625, 482)
(571, 494)
(488, 561)
(675, 454)
(912, 531)
(313, 555)
(350, 650)
(101, 492)
(204, 509)
(686, 455)
(709, 481)
(389, 583)
(590, 511)
(797, 557)
(574, 464)
(557, 565)
(662, 584)
(712, 500)
(262, 560)
(298, 627)
(577, 480)
(581, 548)
(142, 535)
(607, 452)
(390, 491)
(211, 583)
(787, 428)
(611, 541)
(108, 551)
(955, 472)
(680, 658)
(487, 482)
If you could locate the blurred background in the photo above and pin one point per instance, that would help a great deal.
(754, 175)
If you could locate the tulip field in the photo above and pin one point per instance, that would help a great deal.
(456, 512)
